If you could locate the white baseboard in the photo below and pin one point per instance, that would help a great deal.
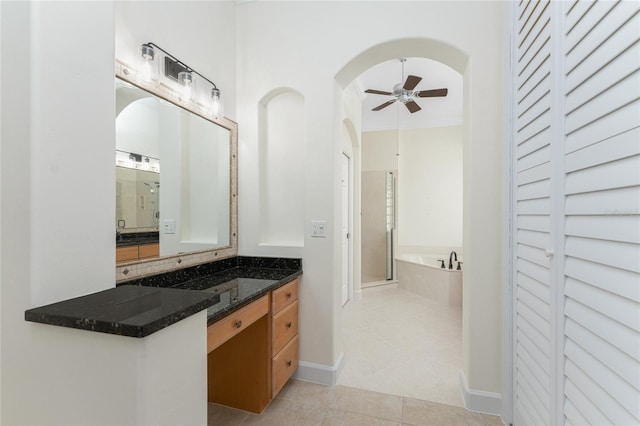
(480, 401)
(320, 373)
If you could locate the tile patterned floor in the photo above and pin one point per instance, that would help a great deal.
(403, 357)
(307, 404)
(400, 343)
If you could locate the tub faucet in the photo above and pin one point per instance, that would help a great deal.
(453, 256)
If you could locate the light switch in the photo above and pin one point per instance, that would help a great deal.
(169, 226)
(319, 228)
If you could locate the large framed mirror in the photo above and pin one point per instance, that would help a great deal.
(176, 180)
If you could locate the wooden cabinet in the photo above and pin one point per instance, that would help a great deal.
(137, 252)
(284, 334)
(125, 254)
(254, 351)
(146, 251)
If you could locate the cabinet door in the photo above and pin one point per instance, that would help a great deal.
(284, 296)
(284, 365)
(285, 326)
(232, 325)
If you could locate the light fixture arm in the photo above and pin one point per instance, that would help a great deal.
(188, 68)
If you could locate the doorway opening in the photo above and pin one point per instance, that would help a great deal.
(403, 360)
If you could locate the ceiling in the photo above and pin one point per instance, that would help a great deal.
(435, 112)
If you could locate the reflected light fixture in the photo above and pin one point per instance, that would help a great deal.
(179, 72)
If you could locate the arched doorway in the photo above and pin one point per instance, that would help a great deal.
(417, 48)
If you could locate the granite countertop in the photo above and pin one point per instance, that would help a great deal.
(140, 307)
(238, 281)
(135, 238)
(127, 310)
(238, 287)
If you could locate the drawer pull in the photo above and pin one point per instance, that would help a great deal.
(238, 324)
(289, 363)
(289, 324)
(288, 295)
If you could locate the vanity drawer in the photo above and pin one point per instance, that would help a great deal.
(285, 326)
(284, 296)
(224, 329)
(149, 250)
(284, 365)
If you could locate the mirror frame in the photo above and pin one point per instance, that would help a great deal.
(127, 271)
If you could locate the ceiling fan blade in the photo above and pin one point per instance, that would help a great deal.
(377, 92)
(432, 93)
(412, 106)
(412, 82)
(384, 105)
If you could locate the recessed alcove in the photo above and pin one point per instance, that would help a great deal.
(282, 181)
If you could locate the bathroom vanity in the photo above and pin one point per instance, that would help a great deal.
(254, 351)
(252, 331)
(188, 321)
(239, 352)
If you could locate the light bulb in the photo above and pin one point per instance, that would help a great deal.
(147, 64)
(185, 79)
(215, 102)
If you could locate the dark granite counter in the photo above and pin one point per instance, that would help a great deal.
(238, 287)
(126, 310)
(143, 306)
(238, 281)
(136, 238)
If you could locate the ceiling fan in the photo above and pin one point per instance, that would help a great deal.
(405, 93)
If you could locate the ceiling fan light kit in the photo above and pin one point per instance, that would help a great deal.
(405, 93)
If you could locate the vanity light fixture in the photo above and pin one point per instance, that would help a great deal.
(179, 72)
(147, 64)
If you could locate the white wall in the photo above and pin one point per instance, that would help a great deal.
(283, 123)
(305, 55)
(430, 187)
(379, 150)
(57, 171)
(58, 189)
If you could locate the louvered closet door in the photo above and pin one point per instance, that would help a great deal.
(602, 214)
(532, 164)
(577, 190)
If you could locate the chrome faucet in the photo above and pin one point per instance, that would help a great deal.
(453, 256)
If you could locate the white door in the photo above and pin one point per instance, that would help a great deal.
(346, 226)
(576, 157)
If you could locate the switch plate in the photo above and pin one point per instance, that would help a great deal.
(169, 226)
(319, 228)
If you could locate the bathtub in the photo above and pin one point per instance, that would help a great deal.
(422, 274)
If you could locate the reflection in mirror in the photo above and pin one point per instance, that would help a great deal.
(194, 212)
(137, 200)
